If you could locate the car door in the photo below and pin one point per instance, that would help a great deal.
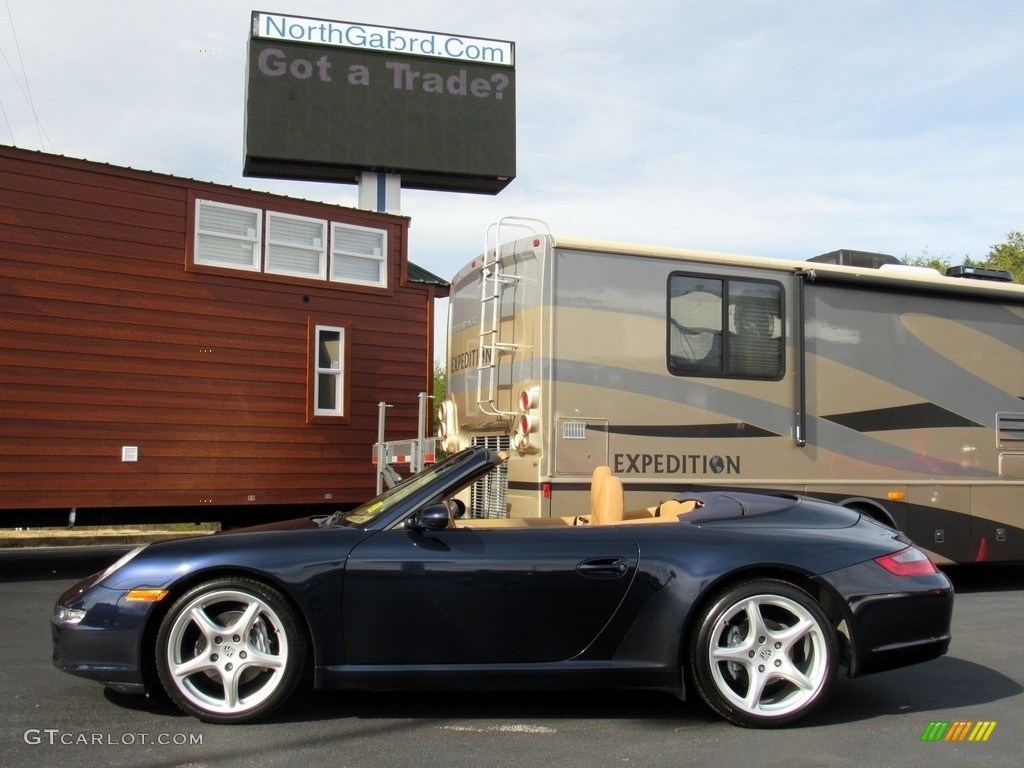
(484, 596)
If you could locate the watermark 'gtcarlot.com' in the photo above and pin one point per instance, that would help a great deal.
(55, 737)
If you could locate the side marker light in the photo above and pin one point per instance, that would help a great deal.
(146, 595)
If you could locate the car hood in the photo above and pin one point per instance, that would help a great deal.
(295, 524)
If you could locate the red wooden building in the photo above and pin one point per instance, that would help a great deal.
(175, 349)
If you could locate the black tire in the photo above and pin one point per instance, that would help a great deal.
(763, 654)
(230, 650)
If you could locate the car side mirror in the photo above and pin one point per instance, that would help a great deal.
(457, 508)
(430, 518)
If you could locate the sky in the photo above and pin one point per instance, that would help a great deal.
(784, 128)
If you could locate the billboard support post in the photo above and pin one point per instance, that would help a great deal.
(380, 192)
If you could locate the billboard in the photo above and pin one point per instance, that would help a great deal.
(329, 100)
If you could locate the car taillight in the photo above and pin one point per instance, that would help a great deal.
(907, 562)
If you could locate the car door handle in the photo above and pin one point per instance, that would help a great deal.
(603, 568)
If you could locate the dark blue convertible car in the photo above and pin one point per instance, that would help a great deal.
(749, 601)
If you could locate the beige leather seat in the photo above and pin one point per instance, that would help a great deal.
(596, 480)
(673, 508)
(608, 510)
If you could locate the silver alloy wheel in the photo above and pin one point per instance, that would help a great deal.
(769, 655)
(764, 653)
(227, 651)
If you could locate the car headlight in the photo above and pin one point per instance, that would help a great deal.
(67, 617)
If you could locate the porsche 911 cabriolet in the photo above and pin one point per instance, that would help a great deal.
(752, 602)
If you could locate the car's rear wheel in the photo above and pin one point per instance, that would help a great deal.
(230, 650)
(763, 653)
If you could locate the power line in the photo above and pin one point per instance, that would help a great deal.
(26, 91)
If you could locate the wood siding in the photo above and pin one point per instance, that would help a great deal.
(110, 337)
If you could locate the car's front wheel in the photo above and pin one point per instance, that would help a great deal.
(763, 653)
(230, 650)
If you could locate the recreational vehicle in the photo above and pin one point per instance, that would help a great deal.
(893, 390)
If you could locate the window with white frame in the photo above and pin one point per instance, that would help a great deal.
(296, 245)
(357, 255)
(329, 375)
(227, 235)
(232, 236)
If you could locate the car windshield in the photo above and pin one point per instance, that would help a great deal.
(365, 514)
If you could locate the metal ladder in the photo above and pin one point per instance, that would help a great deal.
(493, 281)
(417, 454)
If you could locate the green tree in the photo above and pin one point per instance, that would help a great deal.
(938, 263)
(1008, 256)
(440, 395)
(440, 389)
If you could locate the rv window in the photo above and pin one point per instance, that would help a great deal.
(724, 327)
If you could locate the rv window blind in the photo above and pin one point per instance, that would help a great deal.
(725, 327)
